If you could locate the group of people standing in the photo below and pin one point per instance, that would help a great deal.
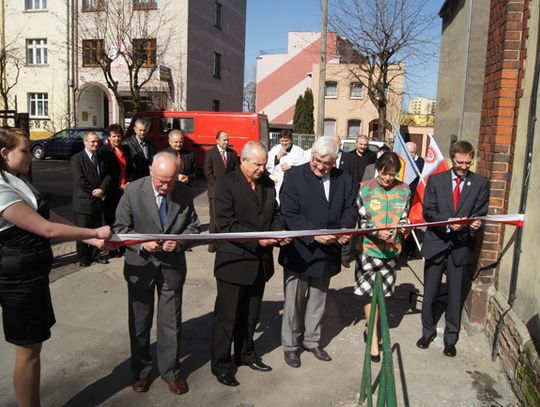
(139, 191)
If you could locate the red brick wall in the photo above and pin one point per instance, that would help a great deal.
(502, 90)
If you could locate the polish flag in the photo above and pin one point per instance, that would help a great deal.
(434, 163)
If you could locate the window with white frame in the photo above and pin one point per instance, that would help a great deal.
(329, 127)
(36, 51)
(38, 105)
(330, 90)
(36, 4)
(353, 128)
(357, 90)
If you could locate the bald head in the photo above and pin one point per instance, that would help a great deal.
(164, 172)
(412, 148)
(337, 139)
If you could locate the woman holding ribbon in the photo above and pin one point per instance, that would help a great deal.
(382, 202)
(26, 225)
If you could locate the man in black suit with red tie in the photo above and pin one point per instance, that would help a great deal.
(91, 183)
(245, 201)
(218, 161)
(453, 194)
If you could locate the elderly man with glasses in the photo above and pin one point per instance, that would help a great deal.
(315, 195)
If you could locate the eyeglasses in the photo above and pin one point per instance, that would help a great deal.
(325, 164)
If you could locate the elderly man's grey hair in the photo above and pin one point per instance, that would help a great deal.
(325, 146)
(141, 122)
(251, 148)
(175, 132)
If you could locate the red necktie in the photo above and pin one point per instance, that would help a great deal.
(457, 192)
(224, 157)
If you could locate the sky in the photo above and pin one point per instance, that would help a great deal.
(268, 23)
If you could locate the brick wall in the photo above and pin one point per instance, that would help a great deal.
(502, 90)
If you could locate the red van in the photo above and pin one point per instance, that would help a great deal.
(201, 128)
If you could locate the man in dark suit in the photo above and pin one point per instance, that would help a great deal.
(419, 161)
(356, 161)
(245, 201)
(91, 183)
(410, 247)
(156, 204)
(314, 196)
(453, 194)
(218, 161)
(141, 151)
(186, 161)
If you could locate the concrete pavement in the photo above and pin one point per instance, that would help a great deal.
(86, 363)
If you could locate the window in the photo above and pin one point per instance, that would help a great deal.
(181, 123)
(36, 4)
(216, 65)
(93, 5)
(216, 105)
(144, 52)
(36, 52)
(38, 105)
(357, 91)
(144, 4)
(353, 128)
(217, 15)
(330, 90)
(92, 52)
(329, 127)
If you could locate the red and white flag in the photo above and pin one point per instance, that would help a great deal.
(434, 163)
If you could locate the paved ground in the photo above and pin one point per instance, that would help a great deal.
(86, 363)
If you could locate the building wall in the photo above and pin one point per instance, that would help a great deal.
(344, 108)
(461, 71)
(203, 40)
(511, 320)
(50, 78)
(282, 78)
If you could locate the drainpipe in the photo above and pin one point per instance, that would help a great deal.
(531, 128)
(465, 73)
(68, 66)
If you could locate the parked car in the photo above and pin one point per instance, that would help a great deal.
(64, 144)
(350, 145)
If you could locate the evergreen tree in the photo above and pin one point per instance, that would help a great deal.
(309, 121)
(298, 113)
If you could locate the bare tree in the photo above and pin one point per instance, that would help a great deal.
(11, 61)
(387, 34)
(250, 90)
(128, 40)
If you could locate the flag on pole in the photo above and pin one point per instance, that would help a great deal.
(434, 163)
(409, 170)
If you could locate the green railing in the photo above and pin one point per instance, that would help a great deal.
(386, 395)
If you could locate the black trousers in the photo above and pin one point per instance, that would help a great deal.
(236, 314)
(458, 281)
(85, 252)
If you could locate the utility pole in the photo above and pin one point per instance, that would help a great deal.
(322, 72)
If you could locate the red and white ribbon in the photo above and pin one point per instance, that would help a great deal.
(137, 238)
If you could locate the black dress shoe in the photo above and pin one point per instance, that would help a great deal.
(84, 264)
(292, 358)
(423, 342)
(449, 350)
(227, 379)
(257, 365)
(375, 358)
(101, 260)
(320, 354)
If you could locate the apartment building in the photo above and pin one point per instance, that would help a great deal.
(422, 105)
(190, 56)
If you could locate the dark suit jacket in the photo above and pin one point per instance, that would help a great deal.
(107, 155)
(413, 185)
(214, 167)
(240, 209)
(354, 165)
(137, 212)
(139, 165)
(304, 206)
(439, 206)
(187, 165)
(85, 180)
